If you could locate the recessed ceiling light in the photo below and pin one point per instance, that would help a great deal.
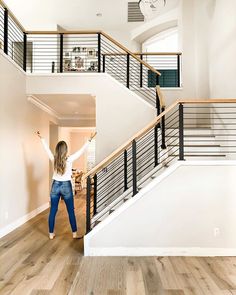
(99, 14)
(76, 113)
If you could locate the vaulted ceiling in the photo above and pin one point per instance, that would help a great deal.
(70, 14)
(75, 14)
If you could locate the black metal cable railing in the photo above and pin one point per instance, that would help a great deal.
(1, 27)
(80, 52)
(185, 131)
(15, 42)
(11, 36)
(143, 80)
(210, 130)
(168, 64)
(45, 55)
(126, 171)
(113, 180)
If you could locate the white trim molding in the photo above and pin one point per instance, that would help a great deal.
(20, 221)
(132, 251)
(44, 107)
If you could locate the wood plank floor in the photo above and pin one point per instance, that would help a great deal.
(32, 264)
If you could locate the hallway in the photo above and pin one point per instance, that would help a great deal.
(32, 264)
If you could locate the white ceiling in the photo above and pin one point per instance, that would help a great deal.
(70, 14)
(75, 14)
(73, 106)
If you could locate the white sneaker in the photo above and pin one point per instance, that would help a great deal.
(76, 236)
(51, 236)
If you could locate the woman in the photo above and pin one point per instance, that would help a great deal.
(61, 185)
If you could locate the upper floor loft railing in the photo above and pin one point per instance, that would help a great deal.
(188, 129)
(167, 63)
(87, 51)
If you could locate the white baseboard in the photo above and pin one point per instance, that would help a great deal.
(131, 251)
(20, 221)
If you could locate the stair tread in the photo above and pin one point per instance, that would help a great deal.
(196, 128)
(198, 145)
(192, 135)
(204, 155)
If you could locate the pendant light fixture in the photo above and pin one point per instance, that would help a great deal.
(150, 8)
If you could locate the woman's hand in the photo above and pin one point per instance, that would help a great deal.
(92, 136)
(38, 133)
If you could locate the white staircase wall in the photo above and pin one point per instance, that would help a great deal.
(120, 113)
(176, 219)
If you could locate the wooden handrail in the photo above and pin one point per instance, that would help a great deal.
(139, 134)
(81, 32)
(158, 53)
(207, 101)
(161, 96)
(146, 53)
(12, 16)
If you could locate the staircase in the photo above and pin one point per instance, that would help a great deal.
(187, 130)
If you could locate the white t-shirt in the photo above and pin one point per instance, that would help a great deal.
(68, 172)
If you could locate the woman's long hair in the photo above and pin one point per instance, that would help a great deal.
(60, 157)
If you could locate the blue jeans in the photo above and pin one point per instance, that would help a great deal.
(61, 189)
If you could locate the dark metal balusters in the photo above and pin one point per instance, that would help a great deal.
(141, 72)
(6, 31)
(99, 52)
(95, 179)
(134, 167)
(61, 53)
(88, 205)
(125, 170)
(181, 132)
(163, 130)
(25, 52)
(128, 70)
(156, 145)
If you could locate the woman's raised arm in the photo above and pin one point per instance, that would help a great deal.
(46, 147)
(77, 154)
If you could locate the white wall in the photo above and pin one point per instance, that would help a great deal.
(201, 45)
(24, 165)
(222, 48)
(119, 112)
(124, 37)
(176, 219)
(192, 27)
(187, 47)
(209, 46)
